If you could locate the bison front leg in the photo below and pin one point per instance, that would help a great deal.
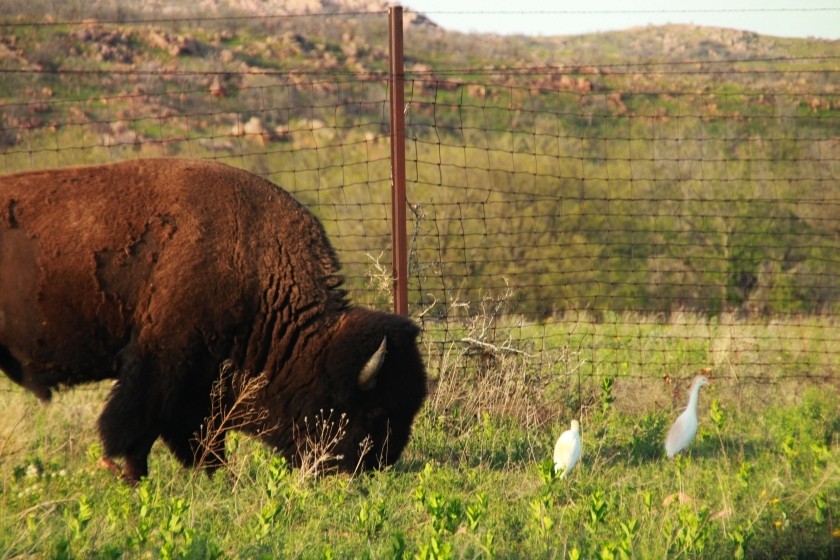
(130, 421)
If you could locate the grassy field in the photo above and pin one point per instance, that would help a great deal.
(762, 479)
(614, 176)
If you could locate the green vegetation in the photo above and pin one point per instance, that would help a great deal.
(593, 220)
(762, 479)
(599, 173)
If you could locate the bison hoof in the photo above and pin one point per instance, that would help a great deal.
(127, 474)
(110, 465)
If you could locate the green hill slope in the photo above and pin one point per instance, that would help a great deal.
(652, 169)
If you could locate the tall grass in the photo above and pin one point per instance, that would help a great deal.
(762, 479)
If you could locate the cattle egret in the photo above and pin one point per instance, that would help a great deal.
(685, 427)
(567, 450)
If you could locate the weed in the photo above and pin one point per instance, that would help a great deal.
(176, 537)
(741, 537)
(225, 417)
(380, 282)
(435, 549)
(145, 522)
(597, 511)
(475, 510)
(607, 397)
(546, 472)
(316, 444)
(647, 436)
(485, 486)
(371, 518)
(691, 530)
(744, 474)
(624, 547)
(541, 508)
(78, 522)
(820, 508)
(399, 547)
(647, 499)
(718, 416)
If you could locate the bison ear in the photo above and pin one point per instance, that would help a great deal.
(367, 378)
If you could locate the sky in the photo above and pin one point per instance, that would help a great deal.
(784, 18)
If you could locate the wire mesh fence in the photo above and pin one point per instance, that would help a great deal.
(586, 222)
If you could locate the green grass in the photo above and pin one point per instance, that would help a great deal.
(762, 479)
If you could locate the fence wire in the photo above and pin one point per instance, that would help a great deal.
(643, 233)
(640, 221)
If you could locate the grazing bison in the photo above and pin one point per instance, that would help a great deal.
(164, 273)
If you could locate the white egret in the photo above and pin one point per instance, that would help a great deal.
(567, 450)
(684, 429)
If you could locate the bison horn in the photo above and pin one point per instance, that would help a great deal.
(367, 378)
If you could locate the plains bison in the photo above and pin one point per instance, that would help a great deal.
(164, 273)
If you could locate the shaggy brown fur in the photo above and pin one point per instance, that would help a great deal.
(156, 272)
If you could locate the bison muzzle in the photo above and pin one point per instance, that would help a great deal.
(164, 274)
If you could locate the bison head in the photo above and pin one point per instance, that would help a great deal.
(370, 385)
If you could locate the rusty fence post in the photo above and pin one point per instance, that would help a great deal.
(398, 198)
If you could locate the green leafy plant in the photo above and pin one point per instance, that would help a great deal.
(545, 470)
(371, 517)
(176, 536)
(624, 547)
(144, 515)
(607, 397)
(820, 508)
(597, 511)
(79, 520)
(435, 549)
(740, 537)
(646, 439)
(475, 510)
(691, 531)
(744, 474)
(718, 415)
(446, 513)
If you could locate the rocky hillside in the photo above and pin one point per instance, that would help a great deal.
(110, 48)
(142, 50)
(734, 131)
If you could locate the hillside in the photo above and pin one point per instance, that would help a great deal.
(282, 39)
(667, 167)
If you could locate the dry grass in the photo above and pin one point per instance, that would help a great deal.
(317, 442)
(223, 418)
(541, 375)
(380, 282)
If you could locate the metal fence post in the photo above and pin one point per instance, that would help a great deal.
(398, 198)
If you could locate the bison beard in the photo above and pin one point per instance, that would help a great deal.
(158, 272)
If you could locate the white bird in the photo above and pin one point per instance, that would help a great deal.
(567, 450)
(684, 429)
